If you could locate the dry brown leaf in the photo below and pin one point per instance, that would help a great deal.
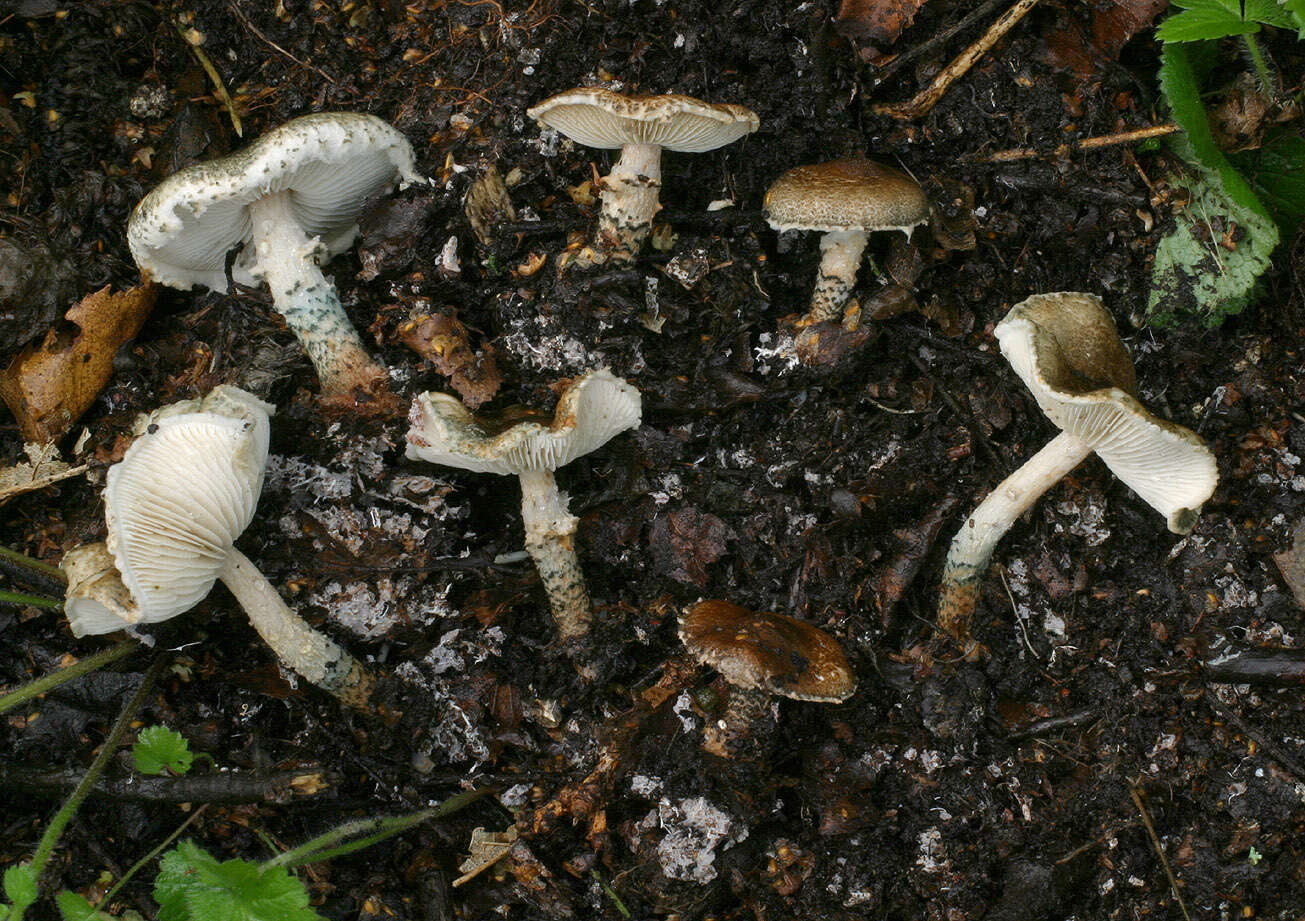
(487, 848)
(877, 21)
(442, 340)
(50, 384)
(43, 468)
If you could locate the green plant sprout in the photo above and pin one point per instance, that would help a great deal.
(1208, 265)
(160, 750)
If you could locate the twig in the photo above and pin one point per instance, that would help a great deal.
(1053, 723)
(1136, 793)
(219, 88)
(1093, 143)
(225, 787)
(928, 97)
(1096, 842)
(240, 14)
(1289, 763)
(945, 35)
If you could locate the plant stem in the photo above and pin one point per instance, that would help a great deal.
(1267, 88)
(61, 819)
(324, 846)
(36, 601)
(27, 562)
(135, 868)
(76, 670)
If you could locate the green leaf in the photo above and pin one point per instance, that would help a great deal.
(192, 885)
(73, 907)
(20, 887)
(1196, 277)
(1277, 173)
(1202, 19)
(1269, 13)
(159, 750)
(1295, 10)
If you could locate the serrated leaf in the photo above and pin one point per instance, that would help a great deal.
(73, 907)
(1277, 173)
(1295, 10)
(159, 749)
(192, 885)
(1204, 19)
(1196, 276)
(1269, 13)
(20, 887)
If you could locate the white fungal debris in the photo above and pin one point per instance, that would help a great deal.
(694, 829)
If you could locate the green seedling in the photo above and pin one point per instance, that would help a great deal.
(1207, 267)
(160, 750)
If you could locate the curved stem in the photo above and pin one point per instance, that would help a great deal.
(550, 541)
(840, 257)
(287, 261)
(81, 667)
(629, 200)
(973, 545)
(299, 646)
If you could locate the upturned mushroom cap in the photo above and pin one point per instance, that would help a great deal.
(1065, 348)
(331, 162)
(593, 410)
(598, 117)
(767, 651)
(846, 195)
(96, 601)
(184, 491)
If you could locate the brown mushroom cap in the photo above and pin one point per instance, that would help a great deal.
(767, 651)
(598, 117)
(846, 195)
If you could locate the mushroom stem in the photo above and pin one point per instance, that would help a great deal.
(629, 201)
(840, 257)
(550, 541)
(299, 646)
(745, 709)
(973, 545)
(287, 261)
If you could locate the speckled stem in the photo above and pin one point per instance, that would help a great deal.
(745, 709)
(287, 261)
(629, 201)
(840, 257)
(973, 545)
(299, 646)
(550, 541)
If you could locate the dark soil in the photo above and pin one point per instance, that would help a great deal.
(1018, 787)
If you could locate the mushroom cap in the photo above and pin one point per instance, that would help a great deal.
(598, 117)
(332, 163)
(768, 651)
(592, 410)
(1065, 348)
(96, 600)
(181, 495)
(845, 195)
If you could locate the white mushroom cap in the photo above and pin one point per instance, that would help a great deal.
(331, 162)
(184, 491)
(846, 195)
(1065, 348)
(96, 601)
(593, 410)
(598, 117)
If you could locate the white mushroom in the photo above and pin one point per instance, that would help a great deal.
(1065, 348)
(846, 200)
(289, 200)
(641, 126)
(592, 410)
(174, 505)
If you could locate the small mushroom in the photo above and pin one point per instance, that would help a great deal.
(641, 126)
(174, 506)
(1065, 348)
(289, 201)
(761, 655)
(846, 200)
(591, 411)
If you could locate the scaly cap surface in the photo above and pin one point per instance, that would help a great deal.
(845, 195)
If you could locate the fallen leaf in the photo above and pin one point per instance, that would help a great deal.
(486, 849)
(1291, 563)
(43, 468)
(442, 340)
(877, 21)
(684, 541)
(50, 384)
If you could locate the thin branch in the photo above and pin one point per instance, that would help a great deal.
(1136, 793)
(1093, 143)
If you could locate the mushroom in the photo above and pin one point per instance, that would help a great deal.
(1065, 348)
(761, 655)
(641, 126)
(846, 200)
(591, 411)
(174, 506)
(290, 200)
